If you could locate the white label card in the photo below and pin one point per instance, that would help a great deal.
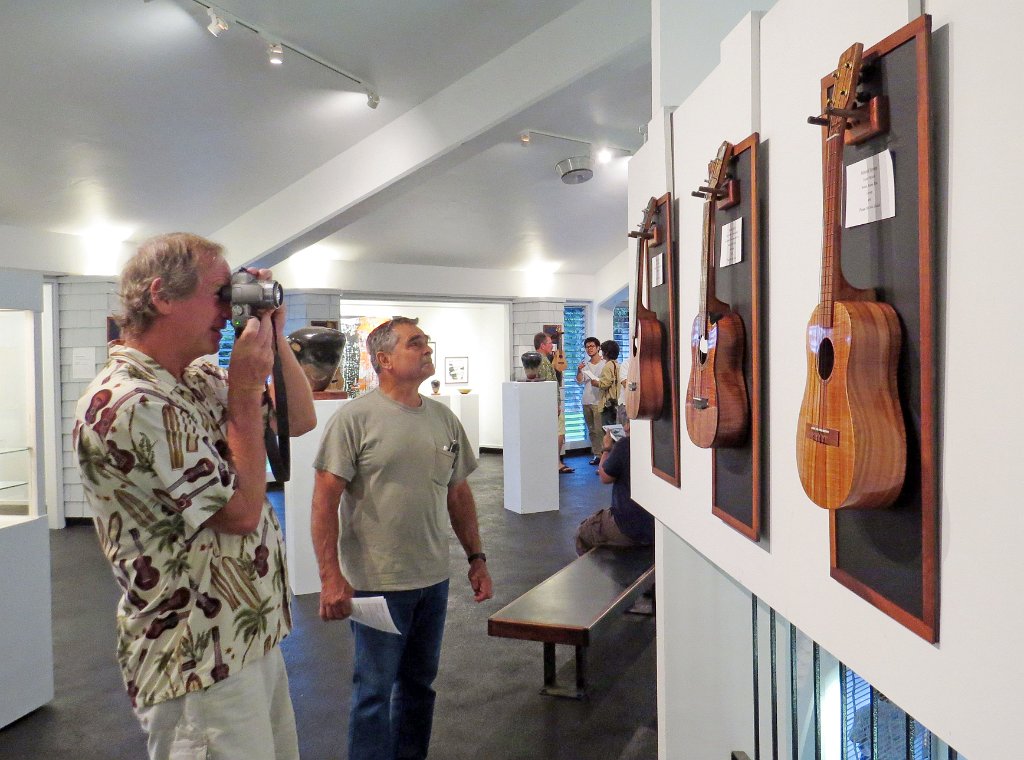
(83, 363)
(732, 243)
(657, 270)
(870, 190)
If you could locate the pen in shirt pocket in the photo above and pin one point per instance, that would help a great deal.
(453, 447)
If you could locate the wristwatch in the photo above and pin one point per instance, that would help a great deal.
(476, 555)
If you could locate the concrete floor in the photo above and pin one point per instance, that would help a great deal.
(488, 703)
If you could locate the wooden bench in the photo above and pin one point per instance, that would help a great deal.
(569, 607)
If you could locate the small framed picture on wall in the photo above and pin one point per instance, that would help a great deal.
(456, 370)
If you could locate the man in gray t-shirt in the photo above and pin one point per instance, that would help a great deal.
(397, 462)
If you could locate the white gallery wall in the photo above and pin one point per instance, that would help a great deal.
(965, 687)
(479, 332)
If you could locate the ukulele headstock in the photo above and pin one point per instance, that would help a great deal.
(846, 75)
(718, 165)
(647, 230)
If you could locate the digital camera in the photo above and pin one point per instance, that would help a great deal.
(249, 296)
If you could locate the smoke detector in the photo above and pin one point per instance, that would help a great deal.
(575, 170)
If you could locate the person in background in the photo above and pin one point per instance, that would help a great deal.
(545, 346)
(586, 373)
(625, 523)
(610, 383)
(171, 451)
(397, 463)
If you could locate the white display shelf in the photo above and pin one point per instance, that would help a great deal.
(7, 484)
(530, 454)
(26, 641)
(303, 572)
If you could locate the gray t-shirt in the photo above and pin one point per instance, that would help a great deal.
(394, 512)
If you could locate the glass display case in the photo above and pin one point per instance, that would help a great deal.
(17, 421)
(26, 639)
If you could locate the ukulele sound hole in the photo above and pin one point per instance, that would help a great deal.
(826, 359)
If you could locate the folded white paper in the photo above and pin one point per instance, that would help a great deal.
(373, 611)
(870, 190)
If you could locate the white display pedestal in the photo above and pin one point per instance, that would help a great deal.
(26, 635)
(467, 408)
(530, 426)
(303, 574)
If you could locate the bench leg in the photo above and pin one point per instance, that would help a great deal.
(550, 678)
(551, 687)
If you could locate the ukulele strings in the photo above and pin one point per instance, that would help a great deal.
(707, 262)
(833, 194)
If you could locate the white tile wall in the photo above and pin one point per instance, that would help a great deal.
(304, 307)
(84, 305)
(528, 317)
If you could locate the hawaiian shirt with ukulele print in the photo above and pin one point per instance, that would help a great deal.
(197, 605)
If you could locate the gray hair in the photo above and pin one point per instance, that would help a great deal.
(382, 338)
(175, 258)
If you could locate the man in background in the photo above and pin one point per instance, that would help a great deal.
(397, 463)
(625, 523)
(545, 346)
(586, 373)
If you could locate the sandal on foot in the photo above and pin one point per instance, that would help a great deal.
(564, 469)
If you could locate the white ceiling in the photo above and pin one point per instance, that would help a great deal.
(129, 113)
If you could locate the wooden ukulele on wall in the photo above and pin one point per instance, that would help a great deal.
(558, 360)
(851, 444)
(645, 392)
(717, 409)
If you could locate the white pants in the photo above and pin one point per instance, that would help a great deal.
(247, 716)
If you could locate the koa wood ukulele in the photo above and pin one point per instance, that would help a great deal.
(645, 390)
(851, 444)
(717, 410)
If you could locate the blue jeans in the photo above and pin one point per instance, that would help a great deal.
(392, 695)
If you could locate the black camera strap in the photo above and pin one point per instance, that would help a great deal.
(278, 449)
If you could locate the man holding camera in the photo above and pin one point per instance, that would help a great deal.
(397, 463)
(172, 457)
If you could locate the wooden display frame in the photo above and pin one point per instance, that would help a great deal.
(663, 300)
(737, 472)
(890, 556)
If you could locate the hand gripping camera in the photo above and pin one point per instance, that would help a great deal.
(249, 296)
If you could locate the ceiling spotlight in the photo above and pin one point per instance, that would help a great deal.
(524, 139)
(372, 99)
(276, 53)
(604, 156)
(217, 23)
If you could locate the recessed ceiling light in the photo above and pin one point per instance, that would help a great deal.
(276, 53)
(604, 156)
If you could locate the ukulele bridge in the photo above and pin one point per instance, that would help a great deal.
(826, 436)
